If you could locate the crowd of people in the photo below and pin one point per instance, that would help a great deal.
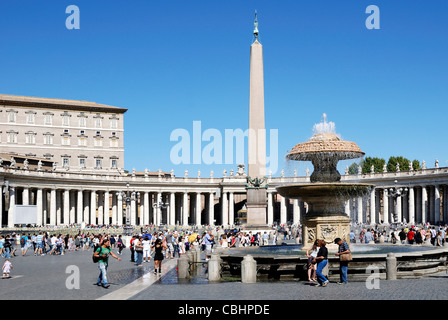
(404, 234)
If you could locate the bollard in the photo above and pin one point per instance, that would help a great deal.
(183, 266)
(391, 267)
(198, 254)
(248, 270)
(214, 268)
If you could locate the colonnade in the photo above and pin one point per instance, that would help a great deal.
(419, 205)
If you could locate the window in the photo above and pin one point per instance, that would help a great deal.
(65, 141)
(113, 123)
(82, 162)
(11, 116)
(82, 121)
(114, 143)
(98, 142)
(48, 138)
(98, 123)
(82, 132)
(12, 137)
(82, 141)
(65, 162)
(65, 120)
(98, 163)
(30, 138)
(30, 118)
(48, 118)
(114, 164)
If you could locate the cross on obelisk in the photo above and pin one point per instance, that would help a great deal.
(256, 194)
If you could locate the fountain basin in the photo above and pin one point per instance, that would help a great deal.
(289, 262)
(324, 198)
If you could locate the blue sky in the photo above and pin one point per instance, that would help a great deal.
(174, 62)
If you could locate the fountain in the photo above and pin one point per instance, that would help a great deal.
(325, 195)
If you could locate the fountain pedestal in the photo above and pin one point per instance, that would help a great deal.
(327, 228)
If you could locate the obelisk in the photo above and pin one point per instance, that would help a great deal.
(256, 194)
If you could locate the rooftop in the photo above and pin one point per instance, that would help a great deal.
(34, 102)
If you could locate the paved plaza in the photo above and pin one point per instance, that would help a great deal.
(46, 277)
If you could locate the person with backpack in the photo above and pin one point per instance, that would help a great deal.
(101, 256)
(23, 247)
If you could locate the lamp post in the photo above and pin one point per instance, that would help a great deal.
(128, 196)
(394, 193)
(157, 206)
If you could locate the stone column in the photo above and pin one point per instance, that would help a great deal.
(142, 209)
(437, 204)
(66, 207)
(145, 218)
(100, 208)
(224, 209)
(80, 207)
(39, 206)
(296, 212)
(270, 209)
(231, 209)
(445, 204)
(385, 206)
(58, 207)
(12, 203)
(93, 207)
(133, 212)
(398, 212)
(119, 215)
(25, 196)
(114, 208)
(172, 216)
(44, 207)
(72, 212)
(411, 205)
(359, 210)
(347, 208)
(211, 209)
(106, 208)
(185, 209)
(372, 206)
(424, 205)
(283, 210)
(53, 207)
(198, 209)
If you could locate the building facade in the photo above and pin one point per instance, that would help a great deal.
(76, 135)
(64, 197)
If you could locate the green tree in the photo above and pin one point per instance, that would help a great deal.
(353, 169)
(392, 164)
(416, 165)
(378, 164)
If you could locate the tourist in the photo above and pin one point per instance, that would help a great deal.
(352, 237)
(6, 269)
(2, 249)
(208, 243)
(321, 260)
(224, 243)
(442, 230)
(368, 237)
(7, 246)
(343, 251)
(402, 236)
(438, 240)
(169, 244)
(418, 236)
(265, 238)
(146, 249)
(103, 254)
(312, 254)
(23, 248)
(410, 235)
(158, 247)
(120, 244)
(138, 247)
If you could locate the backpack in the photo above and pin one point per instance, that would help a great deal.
(94, 258)
(22, 241)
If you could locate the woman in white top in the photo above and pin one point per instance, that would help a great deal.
(311, 254)
(224, 242)
(146, 249)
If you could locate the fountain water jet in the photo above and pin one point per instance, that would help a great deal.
(325, 195)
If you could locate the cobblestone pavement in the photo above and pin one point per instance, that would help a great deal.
(36, 277)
